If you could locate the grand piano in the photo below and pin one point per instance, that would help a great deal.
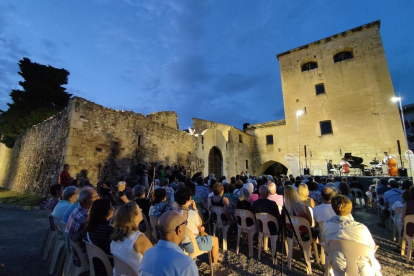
(356, 163)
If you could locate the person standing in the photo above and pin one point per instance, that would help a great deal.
(64, 178)
(392, 164)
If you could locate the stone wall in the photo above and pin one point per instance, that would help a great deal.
(166, 118)
(106, 142)
(37, 156)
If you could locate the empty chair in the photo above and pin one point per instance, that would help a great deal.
(95, 252)
(154, 225)
(122, 268)
(352, 251)
(263, 220)
(408, 219)
(243, 215)
(217, 212)
(357, 194)
(197, 252)
(396, 225)
(58, 246)
(84, 265)
(297, 223)
(51, 237)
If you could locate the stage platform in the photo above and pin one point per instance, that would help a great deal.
(366, 181)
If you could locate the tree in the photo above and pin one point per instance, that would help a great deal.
(42, 96)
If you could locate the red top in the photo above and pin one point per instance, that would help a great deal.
(65, 179)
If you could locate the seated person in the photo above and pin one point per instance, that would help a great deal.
(343, 227)
(323, 212)
(68, 198)
(273, 195)
(245, 204)
(265, 205)
(121, 197)
(197, 199)
(303, 193)
(220, 201)
(159, 202)
(56, 192)
(408, 209)
(174, 262)
(128, 243)
(382, 187)
(400, 204)
(390, 197)
(98, 230)
(194, 222)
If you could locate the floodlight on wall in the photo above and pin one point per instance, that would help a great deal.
(299, 112)
(396, 99)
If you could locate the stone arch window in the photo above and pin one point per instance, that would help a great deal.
(309, 66)
(344, 55)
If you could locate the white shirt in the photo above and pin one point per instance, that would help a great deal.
(345, 228)
(323, 212)
(125, 250)
(192, 223)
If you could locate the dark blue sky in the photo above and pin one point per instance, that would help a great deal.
(214, 60)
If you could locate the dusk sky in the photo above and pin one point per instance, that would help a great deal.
(214, 60)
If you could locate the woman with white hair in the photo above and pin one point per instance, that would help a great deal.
(122, 198)
(303, 192)
(250, 187)
(245, 204)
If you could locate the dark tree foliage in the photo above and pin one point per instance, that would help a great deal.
(42, 96)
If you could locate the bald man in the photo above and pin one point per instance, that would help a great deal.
(167, 258)
(264, 205)
(324, 211)
(273, 195)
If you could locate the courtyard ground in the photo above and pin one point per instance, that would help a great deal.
(22, 234)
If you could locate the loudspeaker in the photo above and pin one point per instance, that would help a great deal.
(402, 172)
(305, 151)
(306, 171)
(399, 147)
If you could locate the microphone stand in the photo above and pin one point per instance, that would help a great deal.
(282, 229)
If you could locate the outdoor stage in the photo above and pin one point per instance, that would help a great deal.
(366, 181)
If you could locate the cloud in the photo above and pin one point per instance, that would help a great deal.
(237, 82)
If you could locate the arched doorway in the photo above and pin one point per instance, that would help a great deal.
(272, 168)
(215, 162)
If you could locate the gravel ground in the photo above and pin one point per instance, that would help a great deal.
(22, 234)
(392, 263)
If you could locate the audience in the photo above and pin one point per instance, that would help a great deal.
(265, 205)
(159, 202)
(303, 193)
(128, 243)
(172, 231)
(273, 196)
(201, 190)
(194, 223)
(324, 211)
(343, 227)
(408, 209)
(56, 192)
(382, 187)
(296, 208)
(245, 204)
(390, 197)
(98, 230)
(198, 201)
(345, 191)
(68, 198)
(218, 200)
(313, 192)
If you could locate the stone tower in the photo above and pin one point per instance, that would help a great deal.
(343, 86)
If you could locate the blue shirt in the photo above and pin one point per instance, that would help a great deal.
(392, 196)
(167, 259)
(61, 208)
(69, 212)
(320, 187)
(381, 190)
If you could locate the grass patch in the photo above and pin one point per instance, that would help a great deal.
(17, 198)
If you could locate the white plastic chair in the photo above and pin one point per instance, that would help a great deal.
(58, 246)
(297, 222)
(243, 228)
(218, 211)
(51, 237)
(380, 206)
(264, 233)
(123, 268)
(197, 252)
(84, 265)
(357, 194)
(68, 261)
(154, 224)
(407, 219)
(322, 256)
(352, 251)
(396, 225)
(95, 252)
